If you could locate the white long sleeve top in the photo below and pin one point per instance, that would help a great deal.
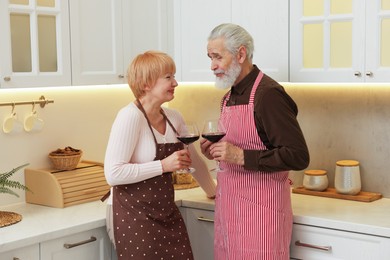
(131, 150)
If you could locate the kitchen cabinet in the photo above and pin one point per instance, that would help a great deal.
(200, 227)
(340, 41)
(35, 47)
(96, 40)
(83, 42)
(25, 253)
(105, 41)
(89, 245)
(309, 242)
(266, 21)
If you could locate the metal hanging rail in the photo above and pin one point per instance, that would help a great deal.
(42, 102)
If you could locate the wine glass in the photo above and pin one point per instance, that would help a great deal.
(187, 135)
(213, 131)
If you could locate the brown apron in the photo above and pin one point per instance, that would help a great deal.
(147, 222)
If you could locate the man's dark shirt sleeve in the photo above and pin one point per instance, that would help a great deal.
(275, 115)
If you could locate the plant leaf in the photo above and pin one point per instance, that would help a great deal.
(6, 185)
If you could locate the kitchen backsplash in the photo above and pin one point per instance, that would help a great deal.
(339, 122)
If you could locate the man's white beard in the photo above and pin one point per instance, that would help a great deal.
(230, 76)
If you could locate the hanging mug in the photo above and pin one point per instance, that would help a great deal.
(32, 122)
(11, 123)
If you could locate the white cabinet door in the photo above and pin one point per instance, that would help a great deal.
(200, 226)
(315, 243)
(96, 40)
(89, 245)
(268, 23)
(24, 253)
(377, 67)
(340, 41)
(194, 20)
(147, 25)
(34, 46)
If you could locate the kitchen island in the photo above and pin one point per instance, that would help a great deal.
(41, 223)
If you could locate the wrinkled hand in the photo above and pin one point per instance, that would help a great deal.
(224, 151)
(176, 161)
(205, 148)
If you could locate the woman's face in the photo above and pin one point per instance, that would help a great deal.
(164, 89)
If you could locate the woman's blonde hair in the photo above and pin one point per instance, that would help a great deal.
(146, 68)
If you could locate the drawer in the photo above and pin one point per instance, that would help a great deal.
(314, 243)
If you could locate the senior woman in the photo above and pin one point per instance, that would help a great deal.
(141, 153)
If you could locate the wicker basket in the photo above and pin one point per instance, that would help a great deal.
(65, 162)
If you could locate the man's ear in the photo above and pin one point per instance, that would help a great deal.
(241, 54)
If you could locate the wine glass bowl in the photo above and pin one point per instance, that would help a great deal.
(213, 131)
(187, 135)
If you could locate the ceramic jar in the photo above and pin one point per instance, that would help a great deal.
(347, 177)
(315, 180)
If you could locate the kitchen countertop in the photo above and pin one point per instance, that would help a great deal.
(41, 223)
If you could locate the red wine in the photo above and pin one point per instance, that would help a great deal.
(214, 137)
(188, 139)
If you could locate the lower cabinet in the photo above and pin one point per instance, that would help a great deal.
(24, 253)
(89, 245)
(200, 226)
(314, 243)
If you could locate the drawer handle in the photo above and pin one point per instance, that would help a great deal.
(206, 219)
(92, 239)
(324, 248)
(16, 258)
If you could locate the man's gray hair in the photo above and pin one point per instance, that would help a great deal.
(235, 36)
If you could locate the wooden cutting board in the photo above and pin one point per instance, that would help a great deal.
(363, 196)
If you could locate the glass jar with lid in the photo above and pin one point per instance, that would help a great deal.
(347, 177)
(315, 180)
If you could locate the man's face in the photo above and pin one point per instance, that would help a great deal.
(224, 65)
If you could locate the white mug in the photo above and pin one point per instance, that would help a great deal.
(11, 123)
(32, 122)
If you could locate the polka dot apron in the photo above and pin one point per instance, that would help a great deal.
(147, 222)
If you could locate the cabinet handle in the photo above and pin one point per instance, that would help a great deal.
(121, 76)
(324, 248)
(92, 239)
(7, 78)
(369, 74)
(357, 74)
(206, 219)
(16, 258)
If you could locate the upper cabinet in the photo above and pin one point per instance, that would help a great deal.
(96, 42)
(266, 21)
(107, 37)
(72, 42)
(340, 41)
(34, 45)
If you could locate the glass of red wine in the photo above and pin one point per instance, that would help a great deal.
(187, 135)
(213, 131)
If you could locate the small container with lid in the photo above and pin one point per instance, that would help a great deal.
(347, 177)
(315, 180)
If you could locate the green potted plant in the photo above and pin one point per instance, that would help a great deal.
(7, 186)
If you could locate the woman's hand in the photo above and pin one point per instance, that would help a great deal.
(176, 161)
(205, 148)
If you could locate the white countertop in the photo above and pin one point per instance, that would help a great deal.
(42, 223)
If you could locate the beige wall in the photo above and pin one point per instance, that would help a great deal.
(339, 122)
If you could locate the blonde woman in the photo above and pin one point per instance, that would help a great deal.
(142, 150)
